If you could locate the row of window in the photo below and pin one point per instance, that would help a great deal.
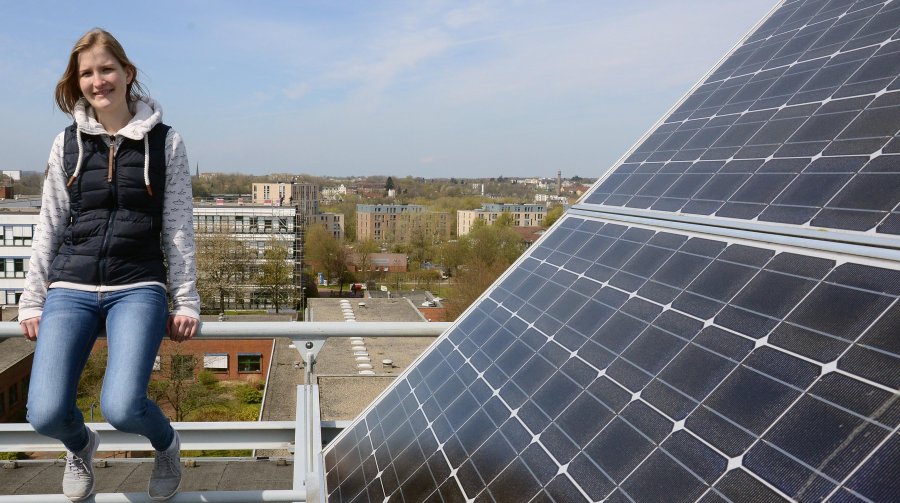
(183, 365)
(13, 267)
(10, 297)
(16, 235)
(242, 224)
(10, 398)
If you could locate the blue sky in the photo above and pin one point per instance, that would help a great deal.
(421, 88)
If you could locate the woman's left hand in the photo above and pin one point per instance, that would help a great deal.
(181, 328)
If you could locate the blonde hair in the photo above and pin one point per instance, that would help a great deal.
(68, 90)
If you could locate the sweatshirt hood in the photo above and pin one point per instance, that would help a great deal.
(147, 114)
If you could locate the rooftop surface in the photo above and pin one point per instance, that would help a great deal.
(343, 392)
(126, 476)
(12, 351)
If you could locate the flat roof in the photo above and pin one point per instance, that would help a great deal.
(124, 476)
(343, 392)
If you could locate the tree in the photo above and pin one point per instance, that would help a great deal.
(553, 215)
(329, 254)
(176, 387)
(364, 251)
(389, 184)
(222, 267)
(91, 382)
(276, 274)
(482, 256)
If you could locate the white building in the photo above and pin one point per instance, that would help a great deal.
(523, 215)
(17, 228)
(334, 193)
(551, 199)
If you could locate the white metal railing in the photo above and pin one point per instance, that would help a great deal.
(303, 436)
(281, 496)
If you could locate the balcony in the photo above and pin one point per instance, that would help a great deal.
(301, 470)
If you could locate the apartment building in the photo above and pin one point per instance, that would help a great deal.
(302, 195)
(523, 215)
(331, 222)
(16, 230)
(400, 223)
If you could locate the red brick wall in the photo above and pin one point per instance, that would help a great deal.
(231, 347)
(434, 313)
(16, 376)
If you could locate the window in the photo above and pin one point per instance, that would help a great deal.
(216, 362)
(2, 403)
(182, 367)
(250, 362)
(13, 394)
(20, 267)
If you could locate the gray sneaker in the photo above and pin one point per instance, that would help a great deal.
(166, 476)
(78, 479)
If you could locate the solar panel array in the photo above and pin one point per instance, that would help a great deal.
(638, 359)
(799, 126)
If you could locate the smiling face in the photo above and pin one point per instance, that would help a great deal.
(103, 81)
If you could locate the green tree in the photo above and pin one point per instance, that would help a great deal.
(363, 251)
(176, 387)
(389, 184)
(276, 274)
(482, 256)
(553, 215)
(91, 383)
(329, 254)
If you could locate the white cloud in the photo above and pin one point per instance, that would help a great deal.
(297, 91)
(465, 16)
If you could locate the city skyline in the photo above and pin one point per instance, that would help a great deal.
(436, 89)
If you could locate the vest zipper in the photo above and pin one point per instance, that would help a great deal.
(112, 213)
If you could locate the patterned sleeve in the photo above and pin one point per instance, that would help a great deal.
(48, 234)
(178, 230)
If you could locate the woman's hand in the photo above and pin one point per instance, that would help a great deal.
(30, 328)
(181, 328)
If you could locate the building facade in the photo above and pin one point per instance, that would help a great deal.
(523, 215)
(256, 228)
(17, 230)
(272, 194)
(331, 222)
(16, 356)
(400, 223)
(299, 195)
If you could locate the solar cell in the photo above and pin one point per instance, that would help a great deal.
(798, 126)
(693, 367)
(632, 355)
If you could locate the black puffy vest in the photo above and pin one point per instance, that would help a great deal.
(113, 234)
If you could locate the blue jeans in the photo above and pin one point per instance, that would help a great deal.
(135, 325)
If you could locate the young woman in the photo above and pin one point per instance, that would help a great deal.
(114, 230)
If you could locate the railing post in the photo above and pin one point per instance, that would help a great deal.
(308, 468)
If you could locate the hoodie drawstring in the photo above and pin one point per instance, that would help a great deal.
(80, 155)
(111, 161)
(147, 164)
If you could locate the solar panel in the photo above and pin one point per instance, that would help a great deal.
(619, 361)
(634, 354)
(798, 126)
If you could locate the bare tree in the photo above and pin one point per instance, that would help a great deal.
(276, 274)
(222, 267)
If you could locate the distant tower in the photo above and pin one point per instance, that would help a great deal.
(198, 170)
(559, 182)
